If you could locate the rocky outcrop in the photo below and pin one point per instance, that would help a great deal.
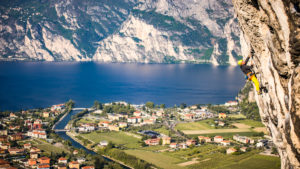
(271, 29)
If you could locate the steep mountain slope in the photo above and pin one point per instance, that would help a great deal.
(168, 31)
(271, 29)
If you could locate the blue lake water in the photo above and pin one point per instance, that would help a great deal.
(26, 85)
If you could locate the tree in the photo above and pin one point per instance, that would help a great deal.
(160, 141)
(162, 106)
(182, 105)
(150, 105)
(70, 104)
(98, 105)
(143, 144)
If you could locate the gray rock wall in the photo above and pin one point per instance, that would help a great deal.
(271, 29)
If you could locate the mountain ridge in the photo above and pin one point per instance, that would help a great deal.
(185, 32)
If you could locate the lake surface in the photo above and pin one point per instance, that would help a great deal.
(25, 85)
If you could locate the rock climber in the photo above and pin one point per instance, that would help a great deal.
(250, 75)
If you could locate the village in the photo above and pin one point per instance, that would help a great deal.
(28, 139)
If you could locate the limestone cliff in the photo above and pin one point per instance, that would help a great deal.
(271, 29)
(159, 31)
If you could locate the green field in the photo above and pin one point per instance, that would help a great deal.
(252, 123)
(47, 147)
(257, 161)
(208, 156)
(237, 116)
(200, 125)
(116, 137)
(159, 159)
(226, 135)
(249, 160)
(162, 130)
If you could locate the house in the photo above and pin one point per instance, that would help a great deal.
(149, 121)
(173, 145)
(138, 119)
(122, 124)
(34, 155)
(32, 162)
(61, 166)
(221, 124)
(207, 139)
(183, 145)
(15, 151)
(166, 140)
(160, 113)
(43, 166)
(34, 150)
(16, 137)
(259, 144)
(2, 151)
(132, 120)
(189, 116)
(104, 123)
(231, 150)
(88, 167)
(194, 107)
(225, 143)
(37, 133)
(57, 107)
(5, 146)
(80, 160)
(46, 114)
(137, 113)
(103, 143)
(201, 139)
(3, 138)
(218, 139)
(3, 162)
(113, 128)
(191, 142)
(28, 124)
(231, 103)
(243, 139)
(44, 160)
(27, 146)
(75, 152)
(222, 115)
(14, 127)
(37, 124)
(113, 117)
(97, 112)
(152, 142)
(62, 160)
(12, 115)
(243, 149)
(3, 132)
(74, 165)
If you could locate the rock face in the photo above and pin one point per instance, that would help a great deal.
(271, 29)
(163, 31)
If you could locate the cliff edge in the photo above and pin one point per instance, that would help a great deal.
(271, 29)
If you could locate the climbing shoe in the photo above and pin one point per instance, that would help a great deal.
(264, 89)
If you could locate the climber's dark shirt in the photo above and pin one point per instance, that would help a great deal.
(245, 68)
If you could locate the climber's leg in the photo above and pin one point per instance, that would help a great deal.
(256, 83)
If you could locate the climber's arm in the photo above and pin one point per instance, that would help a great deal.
(247, 59)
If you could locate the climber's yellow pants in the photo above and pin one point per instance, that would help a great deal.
(256, 83)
